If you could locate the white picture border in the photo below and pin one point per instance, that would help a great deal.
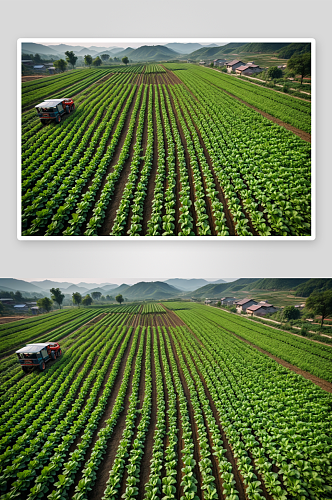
(164, 41)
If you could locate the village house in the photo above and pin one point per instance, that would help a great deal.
(261, 309)
(202, 63)
(27, 62)
(227, 301)
(243, 304)
(7, 301)
(219, 62)
(248, 69)
(21, 308)
(232, 65)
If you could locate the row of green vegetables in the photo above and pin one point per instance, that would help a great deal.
(39, 331)
(55, 91)
(61, 195)
(257, 165)
(286, 108)
(307, 355)
(278, 418)
(62, 418)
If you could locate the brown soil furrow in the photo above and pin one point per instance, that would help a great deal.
(300, 133)
(323, 384)
(229, 453)
(121, 182)
(112, 445)
(144, 145)
(149, 440)
(191, 417)
(177, 227)
(116, 154)
(189, 170)
(147, 207)
(141, 393)
(209, 211)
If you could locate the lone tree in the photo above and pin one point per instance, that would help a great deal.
(88, 60)
(60, 64)
(119, 298)
(96, 295)
(290, 312)
(18, 296)
(77, 298)
(71, 58)
(87, 301)
(57, 296)
(274, 72)
(97, 61)
(320, 303)
(45, 304)
(125, 60)
(300, 64)
(105, 57)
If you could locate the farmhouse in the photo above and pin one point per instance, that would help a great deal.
(219, 62)
(21, 308)
(202, 63)
(40, 67)
(242, 305)
(248, 69)
(27, 62)
(228, 301)
(7, 301)
(261, 309)
(232, 65)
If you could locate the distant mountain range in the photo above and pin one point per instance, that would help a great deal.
(172, 288)
(169, 51)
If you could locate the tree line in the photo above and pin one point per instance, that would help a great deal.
(71, 60)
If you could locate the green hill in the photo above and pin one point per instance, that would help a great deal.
(217, 290)
(293, 48)
(276, 284)
(149, 53)
(313, 285)
(151, 290)
(262, 48)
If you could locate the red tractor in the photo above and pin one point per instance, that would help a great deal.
(53, 109)
(36, 355)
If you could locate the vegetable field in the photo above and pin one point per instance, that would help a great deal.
(165, 150)
(166, 404)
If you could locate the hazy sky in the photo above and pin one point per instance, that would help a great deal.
(118, 281)
(134, 45)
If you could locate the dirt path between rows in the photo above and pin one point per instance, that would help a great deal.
(323, 384)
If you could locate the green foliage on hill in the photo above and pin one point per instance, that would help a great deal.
(263, 48)
(277, 284)
(294, 48)
(313, 285)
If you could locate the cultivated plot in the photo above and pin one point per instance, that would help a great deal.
(165, 150)
(167, 403)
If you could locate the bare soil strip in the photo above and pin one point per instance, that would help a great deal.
(323, 384)
(149, 440)
(147, 207)
(121, 183)
(102, 474)
(189, 170)
(191, 417)
(300, 133)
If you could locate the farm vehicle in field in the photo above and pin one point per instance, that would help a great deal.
(36, 355)
(53, 109)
